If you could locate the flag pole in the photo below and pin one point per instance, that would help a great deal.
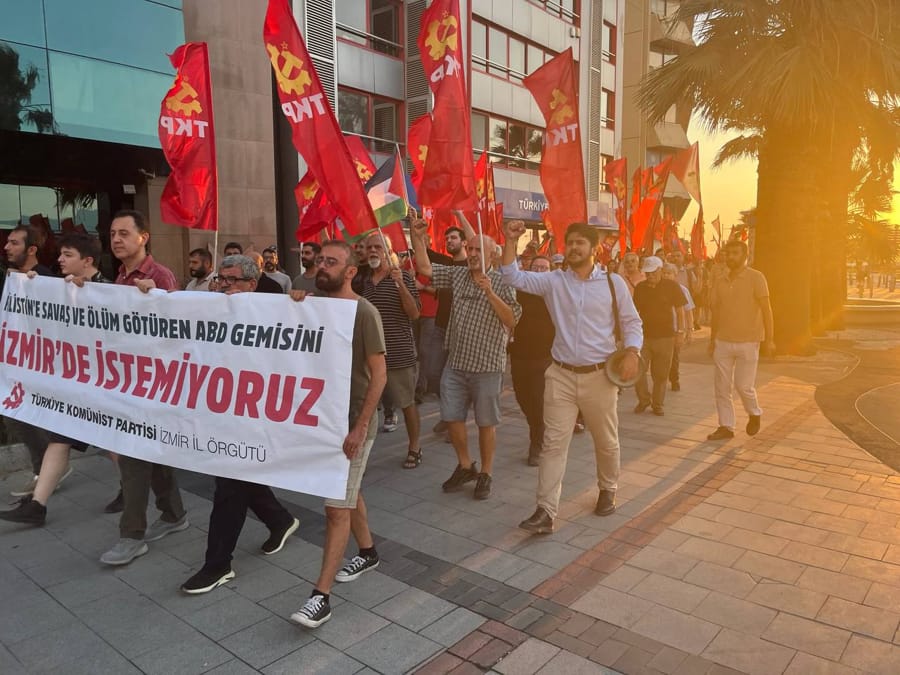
(481, 243)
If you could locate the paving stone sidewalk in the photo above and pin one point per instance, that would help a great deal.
(776, 554)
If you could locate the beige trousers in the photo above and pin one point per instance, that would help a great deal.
(565, 393)
(735, 364)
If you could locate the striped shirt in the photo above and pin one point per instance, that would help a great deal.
(398, 327)
(476, 338)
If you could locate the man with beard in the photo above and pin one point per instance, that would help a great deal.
(580, 302)
(200, 268)
(22, 246)
(266, 284)
(336, 268)
(529, 357)
(270, 265)
(128, 237)
(306, 280)
(232, 498)
(483, 315)
(393, 293)
(741, 319)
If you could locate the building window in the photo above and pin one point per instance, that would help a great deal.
(657, 59)
(660, 7)
(608, 42)
(604, 160)
(568, 10)
(608, 108)
(509, 143)
(372, 118)
(374, 24)
(504, 54)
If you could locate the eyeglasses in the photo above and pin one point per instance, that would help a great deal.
(227, 281)
(326, 262)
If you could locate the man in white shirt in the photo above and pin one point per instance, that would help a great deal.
(580, 305)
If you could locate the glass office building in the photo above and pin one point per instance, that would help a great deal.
(80, 89)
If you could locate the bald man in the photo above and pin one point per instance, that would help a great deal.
(483, 316)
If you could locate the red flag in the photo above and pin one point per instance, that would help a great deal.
(646, 217)
(555, 90)
(315, 130)
(616, 174)
(417, 147)
(717, 226)
(686, 168)
(491, 225)
(395, 234)
(447, 179)
(698, 242)
(190, 197)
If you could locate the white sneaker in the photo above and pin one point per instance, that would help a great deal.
(124, 552)
(62, 478)
(26, 489)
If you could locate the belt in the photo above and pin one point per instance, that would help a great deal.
(580, 370)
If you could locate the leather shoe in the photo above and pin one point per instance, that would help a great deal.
(641, 407)
(658, 411)
(721, 434)
(540, 522)
(753, 425)
(606, 503)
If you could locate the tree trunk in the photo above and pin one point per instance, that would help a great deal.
(786, 211)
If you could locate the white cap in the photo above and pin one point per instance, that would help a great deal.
(651, 264)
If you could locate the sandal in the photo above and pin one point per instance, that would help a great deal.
(413, 459)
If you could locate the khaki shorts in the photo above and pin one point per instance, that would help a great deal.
(400, 389)
(354, 479)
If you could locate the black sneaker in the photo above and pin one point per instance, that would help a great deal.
(314, 612)
(206, 580)
(276, 540)
(483, 486)
(753, 425)
(358, 566)
(460, 477)
(28, 512)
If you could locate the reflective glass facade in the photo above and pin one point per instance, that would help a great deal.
(95, 70)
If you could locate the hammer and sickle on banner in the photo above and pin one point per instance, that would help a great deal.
(619, 189)
(184, 100)
(562, 109)
(423, 153)
(15, 398)
(443, 35)
(362, 170)
(310, 190)
(290, 73)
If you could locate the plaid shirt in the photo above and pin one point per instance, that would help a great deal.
(476, 338)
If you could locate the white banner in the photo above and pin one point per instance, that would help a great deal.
(252, 386)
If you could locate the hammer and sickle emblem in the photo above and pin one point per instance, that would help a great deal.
(290, 73)
(310, 190)
(15, 398)
(619, 189)
(560, 106)
(479, 187)
(184, 100)
(362, 170)
(443, 34)
(423, 153)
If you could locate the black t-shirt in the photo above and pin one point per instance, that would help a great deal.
(444, 295)
(655, 304)
(266, 284)
(535, 332)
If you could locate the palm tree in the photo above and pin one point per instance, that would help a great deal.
(809, 83)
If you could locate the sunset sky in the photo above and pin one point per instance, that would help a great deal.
(732, 188)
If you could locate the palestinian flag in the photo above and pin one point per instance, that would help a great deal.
(387, 192)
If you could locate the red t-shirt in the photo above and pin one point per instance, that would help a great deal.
(428, 301)
(149, 269)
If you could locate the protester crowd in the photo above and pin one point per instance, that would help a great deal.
(440, 325)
